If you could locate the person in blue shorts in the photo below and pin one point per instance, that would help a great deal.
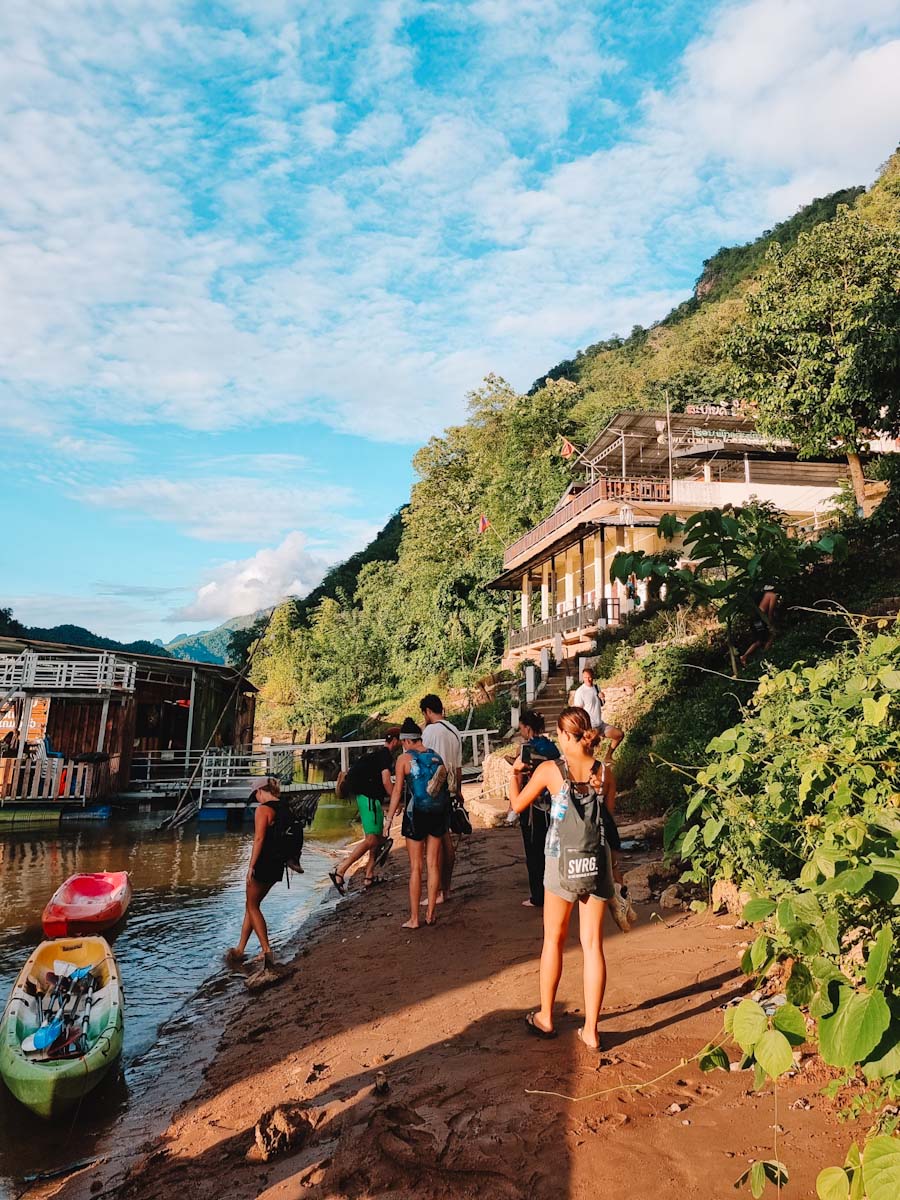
(421, 781)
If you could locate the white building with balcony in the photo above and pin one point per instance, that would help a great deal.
(640, 467)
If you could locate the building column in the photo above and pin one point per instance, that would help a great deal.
(570, 582)
(526, 601)
(581, 571)
(545, 591)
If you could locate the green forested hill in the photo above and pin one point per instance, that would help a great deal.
(422, 610)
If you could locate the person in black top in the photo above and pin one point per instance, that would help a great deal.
(535, 820)
(266, 868)
(370, 778)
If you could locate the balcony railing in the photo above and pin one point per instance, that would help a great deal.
(579, 619)
(647, 491)
(31, 671)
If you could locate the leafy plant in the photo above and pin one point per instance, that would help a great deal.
(799, 805)
(734, 552)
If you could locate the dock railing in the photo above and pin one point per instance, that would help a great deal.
(230, 774)
(58, 779)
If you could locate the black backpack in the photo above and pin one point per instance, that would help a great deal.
(583, 859)
(291, 816)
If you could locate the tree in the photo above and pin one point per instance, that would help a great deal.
(734, 552)
(818, 353)
(9, 626)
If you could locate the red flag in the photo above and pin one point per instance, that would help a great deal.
(567, 448)
(484, 524)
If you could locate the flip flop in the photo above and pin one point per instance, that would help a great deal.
(334, 877)
(383, 852)
(533, 1027)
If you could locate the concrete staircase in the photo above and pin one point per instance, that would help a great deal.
(553, 699)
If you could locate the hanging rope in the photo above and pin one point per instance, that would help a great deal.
(187, 805)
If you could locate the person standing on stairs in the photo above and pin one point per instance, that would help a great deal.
(589, 697)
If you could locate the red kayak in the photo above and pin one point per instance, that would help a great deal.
(85, 904)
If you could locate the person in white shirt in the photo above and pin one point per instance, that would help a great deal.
(590, 698)
(443, 738)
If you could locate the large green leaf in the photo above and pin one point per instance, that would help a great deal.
(881, 1168)
(792, 1023)
(758, 910)
(690, 841)
(879, 957)
(773, 1053)
(854, 1029)
(748, 1025)
(851, 882)
(833, 1184)
(800, 986)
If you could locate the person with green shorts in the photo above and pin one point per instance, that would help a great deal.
(370, 778)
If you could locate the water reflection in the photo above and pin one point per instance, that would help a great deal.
(187, 908)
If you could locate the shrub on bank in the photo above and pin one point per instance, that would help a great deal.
(799, 805)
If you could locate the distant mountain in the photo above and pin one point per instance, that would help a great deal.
(211, 645)
(77, 635)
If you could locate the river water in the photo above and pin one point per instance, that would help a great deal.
(187, 909)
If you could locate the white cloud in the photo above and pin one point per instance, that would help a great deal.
(236, 508)
(243, 586)
(214, 265)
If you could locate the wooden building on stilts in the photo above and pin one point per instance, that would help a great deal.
(73, 719)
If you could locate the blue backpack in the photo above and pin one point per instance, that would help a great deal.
(425, 765)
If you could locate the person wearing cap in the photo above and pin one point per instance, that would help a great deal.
(265, 869)
(763, 623)
(421, 780)
(372, 779)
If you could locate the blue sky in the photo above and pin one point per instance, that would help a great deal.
(253, 253)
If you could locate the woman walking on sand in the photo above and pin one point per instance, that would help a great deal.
(421, 780)
(577, 865)
(266, 869)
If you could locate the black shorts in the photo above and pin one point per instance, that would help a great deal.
(418, 824)
(609, 827)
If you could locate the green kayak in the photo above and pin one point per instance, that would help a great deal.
(59, 1040)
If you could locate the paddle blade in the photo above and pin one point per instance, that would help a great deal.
(47, 1034)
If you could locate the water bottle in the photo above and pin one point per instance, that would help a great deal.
(558, 808)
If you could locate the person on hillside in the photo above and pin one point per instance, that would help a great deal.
(579, 787)
(266, 868)
(535, 821)
(371, 777)
(763, 625)
(589, 697)
(421, 783)
(442, 737)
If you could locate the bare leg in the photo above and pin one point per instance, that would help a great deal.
(416, 851)
(557, 913)
(256, 893)
(246, 930)
(433, 853)
(374, 847)
(615, 735)
(591, 912)
(449, 858)
(367, 844)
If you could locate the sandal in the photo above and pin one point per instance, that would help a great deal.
(370, 883)
(384, 851)
(533, 1027)
(334, 877)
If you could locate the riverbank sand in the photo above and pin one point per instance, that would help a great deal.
(403, 1064)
